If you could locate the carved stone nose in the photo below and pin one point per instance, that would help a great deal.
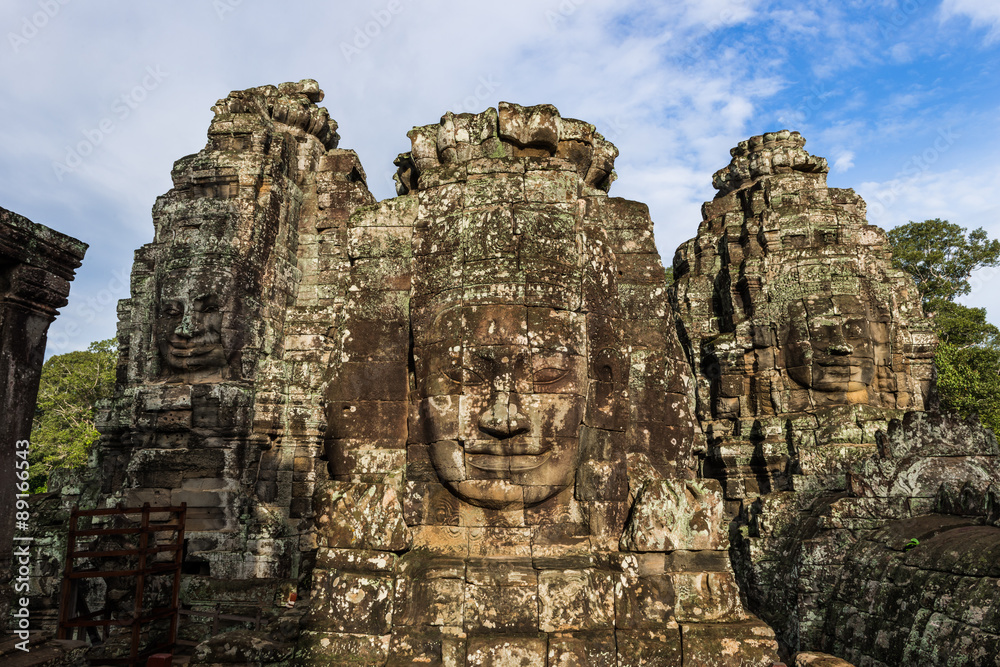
(838, 344)
(186, 327)
(503, 417)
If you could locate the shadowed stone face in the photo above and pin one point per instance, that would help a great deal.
(505, 408)
(189, 322)
(831, 351)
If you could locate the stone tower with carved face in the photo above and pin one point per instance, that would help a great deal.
(804, 343)
(511, 414)
(803, 339)
(215, 401)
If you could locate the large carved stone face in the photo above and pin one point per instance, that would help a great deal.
(189, 322)
(831, 344)
(504, 394)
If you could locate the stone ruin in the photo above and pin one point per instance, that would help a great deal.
(456, 421)
(507, 412)
(473, 425)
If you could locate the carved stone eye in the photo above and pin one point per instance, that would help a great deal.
(207, 304)
(463, 376)
(172, 309)
(548, 375)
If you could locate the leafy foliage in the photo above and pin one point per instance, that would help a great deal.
(63, 429)
(941, 258)
(969, 381)
(960, 325)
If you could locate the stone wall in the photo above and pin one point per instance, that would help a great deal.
(901, 568)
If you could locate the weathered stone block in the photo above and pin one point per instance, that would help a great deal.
(707, 597)
(365, 516)
(749, 644)
(325, 648)
(431, 602)
(352, 603)
(644, 603)
(506, 651)
(672, 515)
(574, 600)
(660, 647)
(595, 649)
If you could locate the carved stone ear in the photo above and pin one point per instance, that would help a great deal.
(607, 406)
(608, 366)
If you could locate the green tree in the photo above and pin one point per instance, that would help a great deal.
(941, 258)
(63, 428)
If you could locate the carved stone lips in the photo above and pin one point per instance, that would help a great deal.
(194, 351)
(511, 447)
(832, 361)
(492, 463)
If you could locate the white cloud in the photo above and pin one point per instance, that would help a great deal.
(843, 162)
(901, 52)
(717, 13)
(675, 84)
(982, 13)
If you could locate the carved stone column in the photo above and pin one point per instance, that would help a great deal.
(36, 267)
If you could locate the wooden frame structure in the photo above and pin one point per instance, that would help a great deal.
(149, 543)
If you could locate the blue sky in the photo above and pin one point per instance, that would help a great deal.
(99, 99)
